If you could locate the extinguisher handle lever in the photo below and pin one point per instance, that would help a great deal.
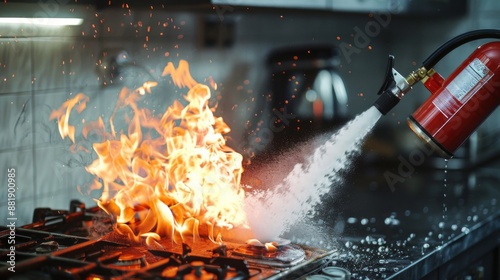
(389, 77)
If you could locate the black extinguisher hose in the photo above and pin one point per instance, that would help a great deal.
(457, 41)
(388, 99)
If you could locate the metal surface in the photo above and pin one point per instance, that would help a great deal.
(436, 224)
(400, 7)
(456, 8)
(113, 255)
(422, 135)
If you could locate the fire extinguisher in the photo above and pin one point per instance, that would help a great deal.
(458, 104)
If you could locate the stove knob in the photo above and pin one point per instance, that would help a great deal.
(337, 273)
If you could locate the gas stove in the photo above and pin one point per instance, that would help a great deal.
(80, 243)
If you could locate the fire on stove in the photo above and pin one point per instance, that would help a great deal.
(66, 252)
(162, 175)
(171, 204)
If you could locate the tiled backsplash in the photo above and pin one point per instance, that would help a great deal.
(39, 71)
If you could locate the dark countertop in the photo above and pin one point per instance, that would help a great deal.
(424, 227)
(386, 220)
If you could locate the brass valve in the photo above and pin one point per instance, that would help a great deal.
(421, 74)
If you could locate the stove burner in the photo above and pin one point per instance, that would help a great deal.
(200, 270)
(47, 247)
(278, 242)
(337, 272)
(284, 255)
(130, 259)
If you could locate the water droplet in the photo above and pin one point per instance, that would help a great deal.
(351, 220)
(348, 244)
(465, 230)
(391, 221)
(425, 247)
(364, 221)
(454, 227)
(445, 207)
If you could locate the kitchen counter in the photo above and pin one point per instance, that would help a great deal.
(435, 224)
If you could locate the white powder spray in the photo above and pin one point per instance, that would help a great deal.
(273, 211)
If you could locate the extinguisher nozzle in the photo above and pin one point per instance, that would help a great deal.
(386, 102)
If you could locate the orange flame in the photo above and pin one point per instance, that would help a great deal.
(270, 246)
(180, 75)
(170, 185)
(63, 113)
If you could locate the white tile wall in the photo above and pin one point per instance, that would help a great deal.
(15, 65)
(45, 131)
(61, 173)
(15, 121)
(82, 69)
(50, 61)
(23, 213)
(61, 200)
(22, 162)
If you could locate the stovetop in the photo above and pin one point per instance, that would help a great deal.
(80, 243)
(406, 234)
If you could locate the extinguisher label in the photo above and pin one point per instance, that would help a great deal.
(462, 87)
(465, 83)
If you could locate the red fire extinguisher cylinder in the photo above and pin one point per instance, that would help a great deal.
(459, 104)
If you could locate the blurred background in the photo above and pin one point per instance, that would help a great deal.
(285, 71)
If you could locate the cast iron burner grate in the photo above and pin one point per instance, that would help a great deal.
(58, 245)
